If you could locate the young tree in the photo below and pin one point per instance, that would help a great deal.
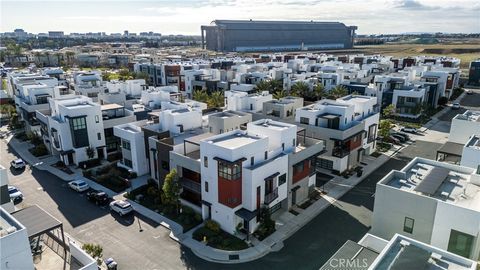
(280, 94)
(94, 250)
(171, 188)
(384, 128)
(389, 111)
(90, 152)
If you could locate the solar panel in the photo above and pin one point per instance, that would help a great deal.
(432, 180)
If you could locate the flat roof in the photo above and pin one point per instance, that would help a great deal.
(112, 106)
(351, 251)
(451, 148)
(36, 220)
(233, 140)
(441, 181)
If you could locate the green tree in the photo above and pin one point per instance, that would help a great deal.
(263, 86)
(216, 100)
(124, 74)
(90, 152)
(338, 92)
(389, 111)
(275, 85)
(319, 91)
(200, 95)
(384, 128)
(280, 94)
(171, 189)
(142, 75)
(300, 89)
(94, 250)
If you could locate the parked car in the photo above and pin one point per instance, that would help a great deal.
(98, 197)
(469, 92)
(456, 106)
(394, 140)
(78, 185)
(399, 137)
(409, 130)
(18, 164)
(121, 207)
(15, 194)
(404, 135)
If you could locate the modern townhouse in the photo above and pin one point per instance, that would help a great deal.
(433, 202)
(114, 115)
(221, 122)
(243, 101)
(400, 252)
(409, 101)
(283, 108)
(154, 96)
(209, 80)
(14, 236)
(73, 124)
(474, 73)
(463, 127)
(57, 73)
(5, 201)
(348, 125)
(471, 153)
(88, 84)
(132, 143)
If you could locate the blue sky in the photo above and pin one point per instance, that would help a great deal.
(186, 16)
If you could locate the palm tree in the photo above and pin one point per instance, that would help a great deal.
(280, 94)
(275, 85)
(263, 86)
(300, 89)
(216, 100)
(319, 91)
(338, 91)
(200, 95)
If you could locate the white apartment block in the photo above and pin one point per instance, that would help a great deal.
(245, 170)
(132, 88)
(433, 202)
(463, 126)
(88, 84)
(284, 108)
(73, 124)
(242, 101)
(154, 96)
(5, 201)
(133, 147)
(408, 101)
(16, 253)
(471, 153)
(348, 125)
(225, 121)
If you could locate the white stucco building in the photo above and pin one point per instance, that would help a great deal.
(243, 101)
(471, 153)
(434, 202)
(133, 147)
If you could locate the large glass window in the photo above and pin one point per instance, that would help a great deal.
(126, 144)
(304, 120)
(282, 179)
(79, 132)
(460, 243)
(229, 171)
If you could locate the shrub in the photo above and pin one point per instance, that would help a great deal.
(94, 250)
(87, 174)
(152, 191)
(212, 225)
(39, 150)
(89, 163)
(114, 156)
(197, 217)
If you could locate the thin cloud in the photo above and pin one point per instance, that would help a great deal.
(413, 5)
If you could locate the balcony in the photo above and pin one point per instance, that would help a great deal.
(270, 197)
(191, 185)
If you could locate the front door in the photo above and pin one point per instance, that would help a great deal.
(70, 158)
(294, 196)
(100, 153)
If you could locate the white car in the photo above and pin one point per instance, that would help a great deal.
(121, 207)
(456, 106)
(15, 194)
(409, 130)
(78, 185)
(17, 164)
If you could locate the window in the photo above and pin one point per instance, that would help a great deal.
(42, 99)
(283, 146)
(252, 161)
(304, 120)
(78, 127)
(282, 179)
(460, 243)
(293, 142)
(205, 161)
(99, 136)
(126, 145)
(97, 119)
(206, 186)
(298, 168)
(408, 225)
(266, 155)
(229, 170)
(127, 162)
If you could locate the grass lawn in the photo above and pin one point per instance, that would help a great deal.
(219, 240)
(151, 199)
(383, 147)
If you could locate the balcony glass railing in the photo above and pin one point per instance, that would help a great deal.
(190, 185)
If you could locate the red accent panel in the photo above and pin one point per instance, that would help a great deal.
(230, 192)
(297, 176)
(354, 144)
